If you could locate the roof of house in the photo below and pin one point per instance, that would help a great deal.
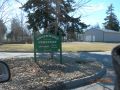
(108, 30)
(104, 30)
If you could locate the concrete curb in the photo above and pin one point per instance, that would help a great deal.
(85, 81)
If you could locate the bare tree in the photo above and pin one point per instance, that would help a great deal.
(4, 10)
(3, 30)
(18, 33)
(15, 29)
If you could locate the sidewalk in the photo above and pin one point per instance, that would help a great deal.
(95, 86)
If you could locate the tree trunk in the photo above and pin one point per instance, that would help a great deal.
(51, 57)
(116, 65)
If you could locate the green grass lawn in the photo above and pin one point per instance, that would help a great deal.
(67, 46)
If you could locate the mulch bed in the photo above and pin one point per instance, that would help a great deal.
(45, 74)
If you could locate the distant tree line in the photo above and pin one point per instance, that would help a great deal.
(17, 34)
(17, 31)
(3, 31)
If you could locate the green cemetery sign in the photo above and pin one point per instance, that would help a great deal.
(47, 43)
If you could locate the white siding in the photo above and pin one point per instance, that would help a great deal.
(102, 35)
(93, 35)
(88, 38)
(111, 37)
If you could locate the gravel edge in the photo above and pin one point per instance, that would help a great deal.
(80, 82)
(85, 81)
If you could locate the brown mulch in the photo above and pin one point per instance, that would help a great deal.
(45, 74)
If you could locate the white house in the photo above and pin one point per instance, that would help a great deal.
(105, 35)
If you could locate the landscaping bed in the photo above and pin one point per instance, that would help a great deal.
(46, 74)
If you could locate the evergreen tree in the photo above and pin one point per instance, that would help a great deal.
(42, 14)
(111, 21)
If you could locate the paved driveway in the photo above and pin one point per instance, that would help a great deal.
(14, 54)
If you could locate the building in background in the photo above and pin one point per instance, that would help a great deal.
(101, 35)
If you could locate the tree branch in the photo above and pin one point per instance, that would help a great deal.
(19, 2)
(3, 3)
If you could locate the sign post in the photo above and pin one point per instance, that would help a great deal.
(60, 49)
(34, 34)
